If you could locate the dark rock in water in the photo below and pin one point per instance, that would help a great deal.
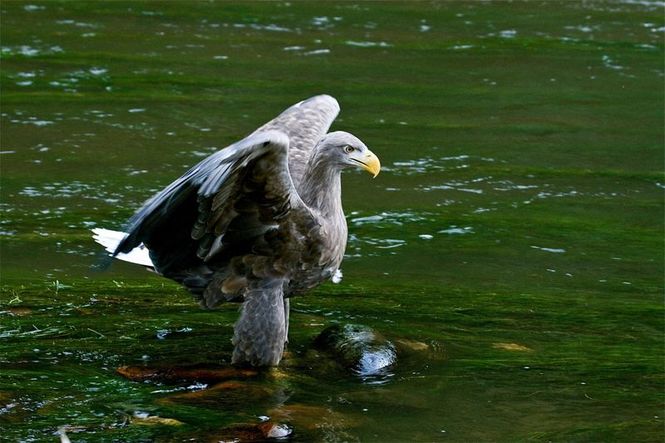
(358, 348)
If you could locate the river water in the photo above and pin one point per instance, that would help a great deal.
(512, 245)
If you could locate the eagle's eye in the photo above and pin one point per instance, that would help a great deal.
(349, 149)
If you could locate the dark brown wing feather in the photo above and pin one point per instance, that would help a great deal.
(219, 209)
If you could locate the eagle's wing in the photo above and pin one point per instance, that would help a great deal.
(217, 209)
(304, 123)
(222, 207)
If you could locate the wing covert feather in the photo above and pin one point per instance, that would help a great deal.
(305, 123)
(246, 187)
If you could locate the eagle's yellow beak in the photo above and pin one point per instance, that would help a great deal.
(370, 163)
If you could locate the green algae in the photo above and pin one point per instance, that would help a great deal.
(516, 231)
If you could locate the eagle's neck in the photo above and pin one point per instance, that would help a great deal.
(321, 187)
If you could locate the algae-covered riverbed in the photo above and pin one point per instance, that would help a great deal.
(513, 243)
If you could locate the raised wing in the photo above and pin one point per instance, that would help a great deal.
(217, 209)
(304, 123)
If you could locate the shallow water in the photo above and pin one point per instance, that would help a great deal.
(513, 242)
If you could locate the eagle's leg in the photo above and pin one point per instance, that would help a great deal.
(287, 312)
(260, 332)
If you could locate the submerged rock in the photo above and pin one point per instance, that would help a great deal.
(312, 417)
(17, 311)
(253, 432)
(514, 347)
(411, 345)
(177, 374)
(231, 394)
(357, 347)
(144, 419)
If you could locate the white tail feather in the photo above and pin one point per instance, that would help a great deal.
(111, 239)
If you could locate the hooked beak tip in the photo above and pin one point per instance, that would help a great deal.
(372, 164)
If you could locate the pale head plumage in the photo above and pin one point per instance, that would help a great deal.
(341, 150)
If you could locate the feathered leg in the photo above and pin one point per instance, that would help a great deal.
(287, 312)
(260, 332)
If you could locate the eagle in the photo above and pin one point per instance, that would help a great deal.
(257, 222)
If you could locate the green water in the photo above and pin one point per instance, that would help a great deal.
(515, 233)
